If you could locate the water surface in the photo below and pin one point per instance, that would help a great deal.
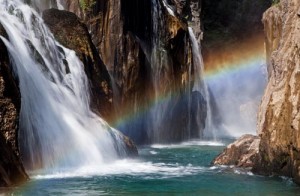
(182, 169)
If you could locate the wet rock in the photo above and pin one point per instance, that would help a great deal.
(135, 38)
(72, 33)
(278, 118)
(131, 149)
(11, 168)
(241, 153)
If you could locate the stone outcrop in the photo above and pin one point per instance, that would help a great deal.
(241, 153)
(279, 115)
(11, 169)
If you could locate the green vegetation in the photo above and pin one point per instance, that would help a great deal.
(275, 2)
(87, 4)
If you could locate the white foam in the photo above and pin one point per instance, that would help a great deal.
(126, 167)
(167, 6)
(188, 144)
(153, 152)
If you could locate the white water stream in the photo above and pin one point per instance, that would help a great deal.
(57, 128)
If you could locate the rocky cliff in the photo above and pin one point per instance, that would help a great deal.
(147, 50)
(11, 169)
(279, 115)
(278, 119)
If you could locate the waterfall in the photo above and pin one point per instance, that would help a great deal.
(57, 128)
(41, 5)
(200, 86)
(161, 80)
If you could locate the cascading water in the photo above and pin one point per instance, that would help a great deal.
(57, 128)
(160, 67)
(201, 87)
(41, 5)
(194, 96)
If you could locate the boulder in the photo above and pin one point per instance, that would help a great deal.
(241, 153)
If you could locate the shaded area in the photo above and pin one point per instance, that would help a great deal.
(11, 168)
(233, 52)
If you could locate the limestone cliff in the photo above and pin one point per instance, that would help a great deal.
(278, 119)
(279, 115)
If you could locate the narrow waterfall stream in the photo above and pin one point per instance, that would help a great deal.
(201, 87)
(57, 128)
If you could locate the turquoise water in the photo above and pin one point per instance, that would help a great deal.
(165, 170)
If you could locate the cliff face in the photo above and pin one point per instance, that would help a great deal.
(146, 47)
(278, 119)
(279, 115)
(11, 169)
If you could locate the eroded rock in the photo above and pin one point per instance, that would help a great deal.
(241, 153)
(279, 115)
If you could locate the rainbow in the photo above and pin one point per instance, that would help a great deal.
(223, 62)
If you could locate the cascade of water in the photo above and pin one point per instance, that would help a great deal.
(41, 5)
(57, 128)
(200, 86)
(161, 73)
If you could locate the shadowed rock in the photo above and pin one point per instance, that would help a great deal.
(11, 168)
(73, 34)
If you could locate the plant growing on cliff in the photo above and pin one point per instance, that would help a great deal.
(275, 2)
(86, 4)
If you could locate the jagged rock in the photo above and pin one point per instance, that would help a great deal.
(73, 34)
(241, 153)
(279, 115)
(11, 168)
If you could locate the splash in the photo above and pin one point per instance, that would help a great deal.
(57, 128)
(236, 79)
(201, 87)
(237, 76)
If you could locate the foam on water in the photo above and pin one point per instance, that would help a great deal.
(127, 167)
(188, 144)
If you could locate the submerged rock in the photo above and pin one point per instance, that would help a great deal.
(241, 153)
(11, 168)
